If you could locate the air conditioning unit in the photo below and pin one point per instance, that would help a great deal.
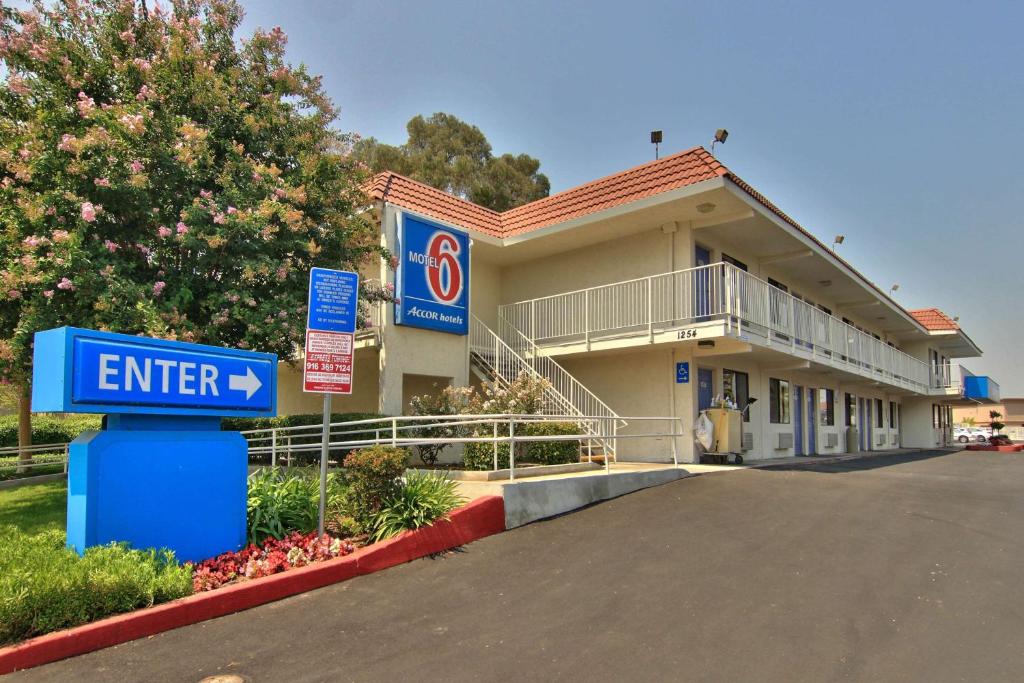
(785, 440)
(831, 440)
(748, 441)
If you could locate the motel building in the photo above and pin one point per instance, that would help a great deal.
(651, 292)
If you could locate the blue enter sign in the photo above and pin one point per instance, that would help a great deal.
(80, 370)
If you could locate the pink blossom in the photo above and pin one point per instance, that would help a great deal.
(282, 314)
(85, 104)
(137, 166)
(24, 153)
(163, 231)
(16, 84)
(88, 212)
(280, 193)
(142, 64)
(219, 219)
(158, 287)
(232, 210)
(282, 273)
(48, 294)
(111, 246)
(205, 194)
(60, 236)
(133, 122)
(143, 249)
(145, 93)
(127, 36)
(102, 182)
(67, 143)
(65, 284)
(233, 298)
(14, 294)
(32, 241)
(182, 229)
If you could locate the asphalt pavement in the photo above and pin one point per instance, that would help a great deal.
(893, 568)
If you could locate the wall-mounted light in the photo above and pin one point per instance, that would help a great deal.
(895, 287)
(825, 283)
(837, 241)
(706, 207)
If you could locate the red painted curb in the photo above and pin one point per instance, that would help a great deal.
(1000, 449)
(482, 517)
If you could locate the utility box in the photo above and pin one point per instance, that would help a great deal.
(728, 432)
(852, 440)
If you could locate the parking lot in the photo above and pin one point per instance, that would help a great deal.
(883, 569)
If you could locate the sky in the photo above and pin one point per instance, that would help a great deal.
(897, 124)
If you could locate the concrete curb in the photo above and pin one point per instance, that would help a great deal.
(838, 458)
(482, 517)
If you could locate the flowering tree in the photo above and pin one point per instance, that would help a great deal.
(156, 177)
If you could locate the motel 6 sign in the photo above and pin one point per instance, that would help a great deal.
(433, 276)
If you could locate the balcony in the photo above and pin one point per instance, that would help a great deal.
(717, 300)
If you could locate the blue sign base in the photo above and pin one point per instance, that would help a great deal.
(170, 482)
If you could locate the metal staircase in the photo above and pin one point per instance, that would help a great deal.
(501, 358)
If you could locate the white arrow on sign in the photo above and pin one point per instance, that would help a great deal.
(249, 383)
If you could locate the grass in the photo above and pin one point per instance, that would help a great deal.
(35, 507)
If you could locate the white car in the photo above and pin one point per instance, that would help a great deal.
(967, 434)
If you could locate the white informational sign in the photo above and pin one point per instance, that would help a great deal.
(328, 367)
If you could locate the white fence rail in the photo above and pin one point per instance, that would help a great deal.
(510, 353)
(284, 445)
(719, 291)
(13, 460)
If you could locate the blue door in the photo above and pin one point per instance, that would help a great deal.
(798, 420)
(702, 289)
(705, 386)
(812, 441)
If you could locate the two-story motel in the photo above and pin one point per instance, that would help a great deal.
(652, 291)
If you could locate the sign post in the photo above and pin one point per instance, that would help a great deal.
(330, 340)
(160, 473)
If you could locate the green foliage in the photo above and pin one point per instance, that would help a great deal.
(480, 456)
(422, 499)
(449, 401)
(302, 458)
(454, 156)
(47, 428)
(373, 476)
(282, 501)
(159, 175)
(995, 424)
(45, 587)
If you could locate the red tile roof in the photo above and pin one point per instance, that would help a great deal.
(933, 319)
(669, 173)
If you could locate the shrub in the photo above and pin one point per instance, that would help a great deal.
(303, 458)
(421, 500)
(47, 428)
(285, 501)
(448, 401)
(270, 557)
(373, 477)
(46, 587)
(480, 456)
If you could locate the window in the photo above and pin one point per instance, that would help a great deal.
(778, 285)
(825, 309)
(739, 264)
(850, 409)
(778, 308)
(736, 387)
(827, 407)
(878, 412)
(778, 399)
(892, 415)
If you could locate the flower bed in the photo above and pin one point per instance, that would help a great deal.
(273, 557)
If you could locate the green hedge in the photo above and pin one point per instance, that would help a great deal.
(480, 456)
(47, 428)
(45, 587)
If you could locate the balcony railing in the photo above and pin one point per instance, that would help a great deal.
(717, 292)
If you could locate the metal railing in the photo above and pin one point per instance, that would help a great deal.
(283, 444)
(510, 353)
(12, 458)
(716, 292)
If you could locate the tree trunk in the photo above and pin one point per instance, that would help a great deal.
(24, 426)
